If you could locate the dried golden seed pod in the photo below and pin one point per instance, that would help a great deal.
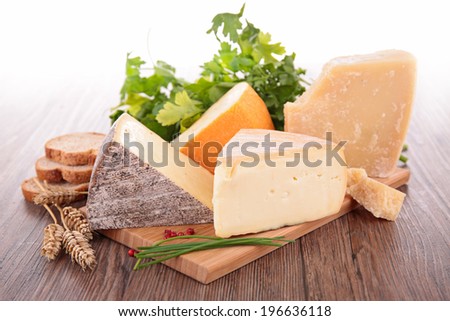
(76, 221)
(53, 237)
(79, 249)
(56, 197)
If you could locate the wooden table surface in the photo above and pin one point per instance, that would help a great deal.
(356, 257)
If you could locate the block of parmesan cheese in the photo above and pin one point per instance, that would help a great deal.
(259, 187)
(141, 180)
(365, 100)
(239, 108)
(381, 200)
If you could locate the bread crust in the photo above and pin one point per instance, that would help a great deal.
(84, 154)
(30, 190)
(54, 172)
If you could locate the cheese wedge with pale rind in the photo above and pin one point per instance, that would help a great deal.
(239, 108)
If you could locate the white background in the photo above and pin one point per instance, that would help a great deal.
(46, 45)
(341, 310)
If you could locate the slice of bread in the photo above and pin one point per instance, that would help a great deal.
(54, 172)
(30, 189)
(74, 149)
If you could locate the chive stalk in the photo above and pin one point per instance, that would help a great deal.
(160, 252)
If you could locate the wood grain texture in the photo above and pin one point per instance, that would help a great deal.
(355, 257)
(208, 266)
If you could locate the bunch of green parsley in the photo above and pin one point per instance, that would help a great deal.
(168, 105)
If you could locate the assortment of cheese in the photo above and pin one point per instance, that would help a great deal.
(231, 168)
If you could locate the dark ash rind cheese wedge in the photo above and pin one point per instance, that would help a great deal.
(140, 180)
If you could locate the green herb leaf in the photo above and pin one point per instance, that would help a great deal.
(187, 122)
(166, 132)
(231, 24)
(115, 115)
(184, 107)
(403, 159)
(169, 105)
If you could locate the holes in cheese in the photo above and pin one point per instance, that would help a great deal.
(141, 180)
(239, 108)
(365, 100)
(268, 179)
(381, 200)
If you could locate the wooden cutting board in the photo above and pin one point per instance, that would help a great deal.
(207, 266)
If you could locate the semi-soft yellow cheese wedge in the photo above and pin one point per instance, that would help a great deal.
(365, 100)
(259, 187)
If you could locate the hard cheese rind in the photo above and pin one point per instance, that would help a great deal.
(127, 191)
(381, 200)
(239, 108)
(365, 100)
(355, 175)
(285, 190)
